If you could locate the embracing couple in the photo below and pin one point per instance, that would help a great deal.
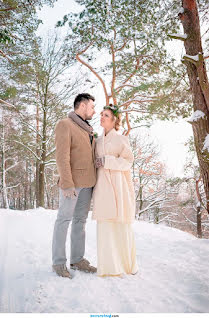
(97, 169)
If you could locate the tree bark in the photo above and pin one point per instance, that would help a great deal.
(37, 152)
(198, 84)
(37, 185)
(199, 213)
(4, 186)
(43, 159)
(41, 185)
(199, 222)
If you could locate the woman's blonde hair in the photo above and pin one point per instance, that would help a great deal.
(117, 122)
(114, 117)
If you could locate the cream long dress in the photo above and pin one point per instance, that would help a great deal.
(114, 207)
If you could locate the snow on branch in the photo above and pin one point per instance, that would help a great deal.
(9, 158)
(157, 201)
(25, 146)
(191, 57)
(6, 103)
(125, 85)
(195, 59)
(51, 152)
(50, 162)
(12, 166)
(178, 36)
(15, 186)
(190, 221)
(181, 11)
(5, 55)
(197, 115)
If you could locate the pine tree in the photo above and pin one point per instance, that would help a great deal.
(122, 42)
(199, 86)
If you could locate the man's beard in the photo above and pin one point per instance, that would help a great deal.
(89, 117)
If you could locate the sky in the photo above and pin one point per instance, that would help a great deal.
(170, 136)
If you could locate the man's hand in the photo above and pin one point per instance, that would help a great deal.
(69, 193)
(99, 162)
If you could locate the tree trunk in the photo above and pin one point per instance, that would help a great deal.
(198, 84)
(199, 213)
(37, 161)
(4, 186)
(41, 185)
(199, 222)
(19, 198)
(47, 192)
(25, 185)
(30, 188)
(156, 215)
(37, 184)
(42, 164)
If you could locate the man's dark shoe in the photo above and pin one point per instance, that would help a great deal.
(83, 266)
(61, 270)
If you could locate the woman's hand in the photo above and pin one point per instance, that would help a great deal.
(99, 162)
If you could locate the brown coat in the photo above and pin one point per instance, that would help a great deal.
(74, 155)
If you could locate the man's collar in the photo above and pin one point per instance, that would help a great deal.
(83, 119)
(80, 122)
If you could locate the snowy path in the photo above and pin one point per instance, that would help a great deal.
(10, 269)
(18, 262)
(174, 271)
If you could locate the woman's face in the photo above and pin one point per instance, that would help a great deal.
(106, 119)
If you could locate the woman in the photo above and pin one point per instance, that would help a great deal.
(114, 200)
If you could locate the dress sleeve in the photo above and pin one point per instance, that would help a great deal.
(63, 144)
(125, 159)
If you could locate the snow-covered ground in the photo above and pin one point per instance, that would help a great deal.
(174, 271)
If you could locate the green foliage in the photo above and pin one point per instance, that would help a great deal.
(4, 36)
(9, 92)
(136, 31)
(18, 22)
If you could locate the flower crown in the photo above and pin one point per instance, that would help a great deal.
(114, 108)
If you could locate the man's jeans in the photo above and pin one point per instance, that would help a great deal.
(76, 210)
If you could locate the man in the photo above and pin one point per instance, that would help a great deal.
(75, 146)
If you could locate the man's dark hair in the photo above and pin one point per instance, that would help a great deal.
(82, 98)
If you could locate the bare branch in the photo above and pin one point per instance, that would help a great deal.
(113, 74)
(4, 55)
(92, 70)
(130, 76)
(193, 223)
(51, 152)
(25, 146)
(6, 103)
(126, 85)
(50, 162)
(122, 47)
(12, 166)
(8, 9)
(13, 186)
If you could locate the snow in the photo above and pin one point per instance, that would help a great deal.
(109, 93)
(173, 275)
(192, 57)
(206, 143)
(196, 116)
(181, 11)
(198, 205)
(178, 35)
